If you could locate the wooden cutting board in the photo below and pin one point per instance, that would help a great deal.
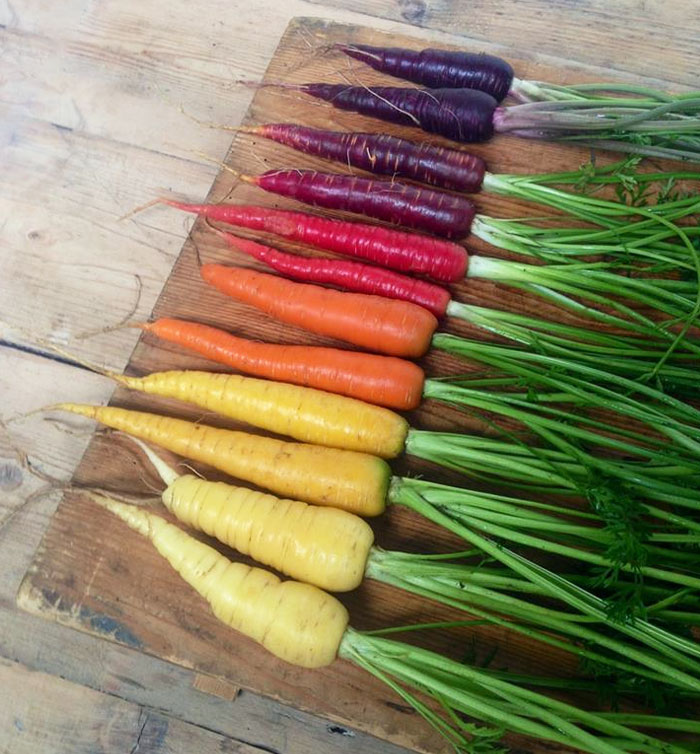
(95, 574)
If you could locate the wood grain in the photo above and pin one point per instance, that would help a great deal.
(92, 574)
(73, 718)
(609, 39)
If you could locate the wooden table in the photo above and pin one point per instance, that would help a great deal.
(91, 127)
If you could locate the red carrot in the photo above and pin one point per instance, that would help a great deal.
(438, 68)
(406, 252)
(382, 154)
(353, 276)
(384, 380)
(433, 211)
(397, 328)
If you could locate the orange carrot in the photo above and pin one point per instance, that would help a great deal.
(384, 380)
(398, 328)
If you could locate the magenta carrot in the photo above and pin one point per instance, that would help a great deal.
(397, 328)
(438, 68)
(426, 209)
(382, 154)
(396, 249)
(353, 276)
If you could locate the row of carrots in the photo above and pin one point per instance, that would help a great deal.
(340, 407)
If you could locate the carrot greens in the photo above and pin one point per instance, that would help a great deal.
(303, 625)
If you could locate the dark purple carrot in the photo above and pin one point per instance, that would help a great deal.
(352, 276)
(460, 114)
(433, 211)
(388, 247)
(383, 154)
(438, 69)
(465, 115)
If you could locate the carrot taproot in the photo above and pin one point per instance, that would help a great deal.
(324, 476)
(382, 154)
(397, 328)
(353, 276)
(307, 414)
(389, 247)
(384, 380)
(464, 115)
(305, 626)
(327, 547)
(438, 212)
(297, 622)
(435, 68)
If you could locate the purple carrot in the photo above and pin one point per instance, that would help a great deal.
(388, 247)
(383, 154)
(436, 212)
(353, 276)
(465, 115)
(438, 69)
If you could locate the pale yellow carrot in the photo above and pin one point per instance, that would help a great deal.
(297, 622)
(322, 546)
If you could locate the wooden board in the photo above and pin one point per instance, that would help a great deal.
(92, 573)
(73, 718)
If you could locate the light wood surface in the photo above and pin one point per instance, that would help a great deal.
(91, 127)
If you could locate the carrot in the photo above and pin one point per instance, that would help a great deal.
(438, 68)
(297, 622)
(398, 328)
(323, 546)
(333, 550)
(389, 247)
(464, 115)
(304, 413)
(595, 282)
(324, 476)
(302, 625)
(353, 276)
(430, 210)
(382, 154)
(384, 380)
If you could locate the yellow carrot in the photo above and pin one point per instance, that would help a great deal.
(345, 479)
(322, 546)
(297, 622)
(303, 413)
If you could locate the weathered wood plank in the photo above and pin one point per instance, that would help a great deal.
(77, 719)
(123, 71)
(631, 39)
(126, 673)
